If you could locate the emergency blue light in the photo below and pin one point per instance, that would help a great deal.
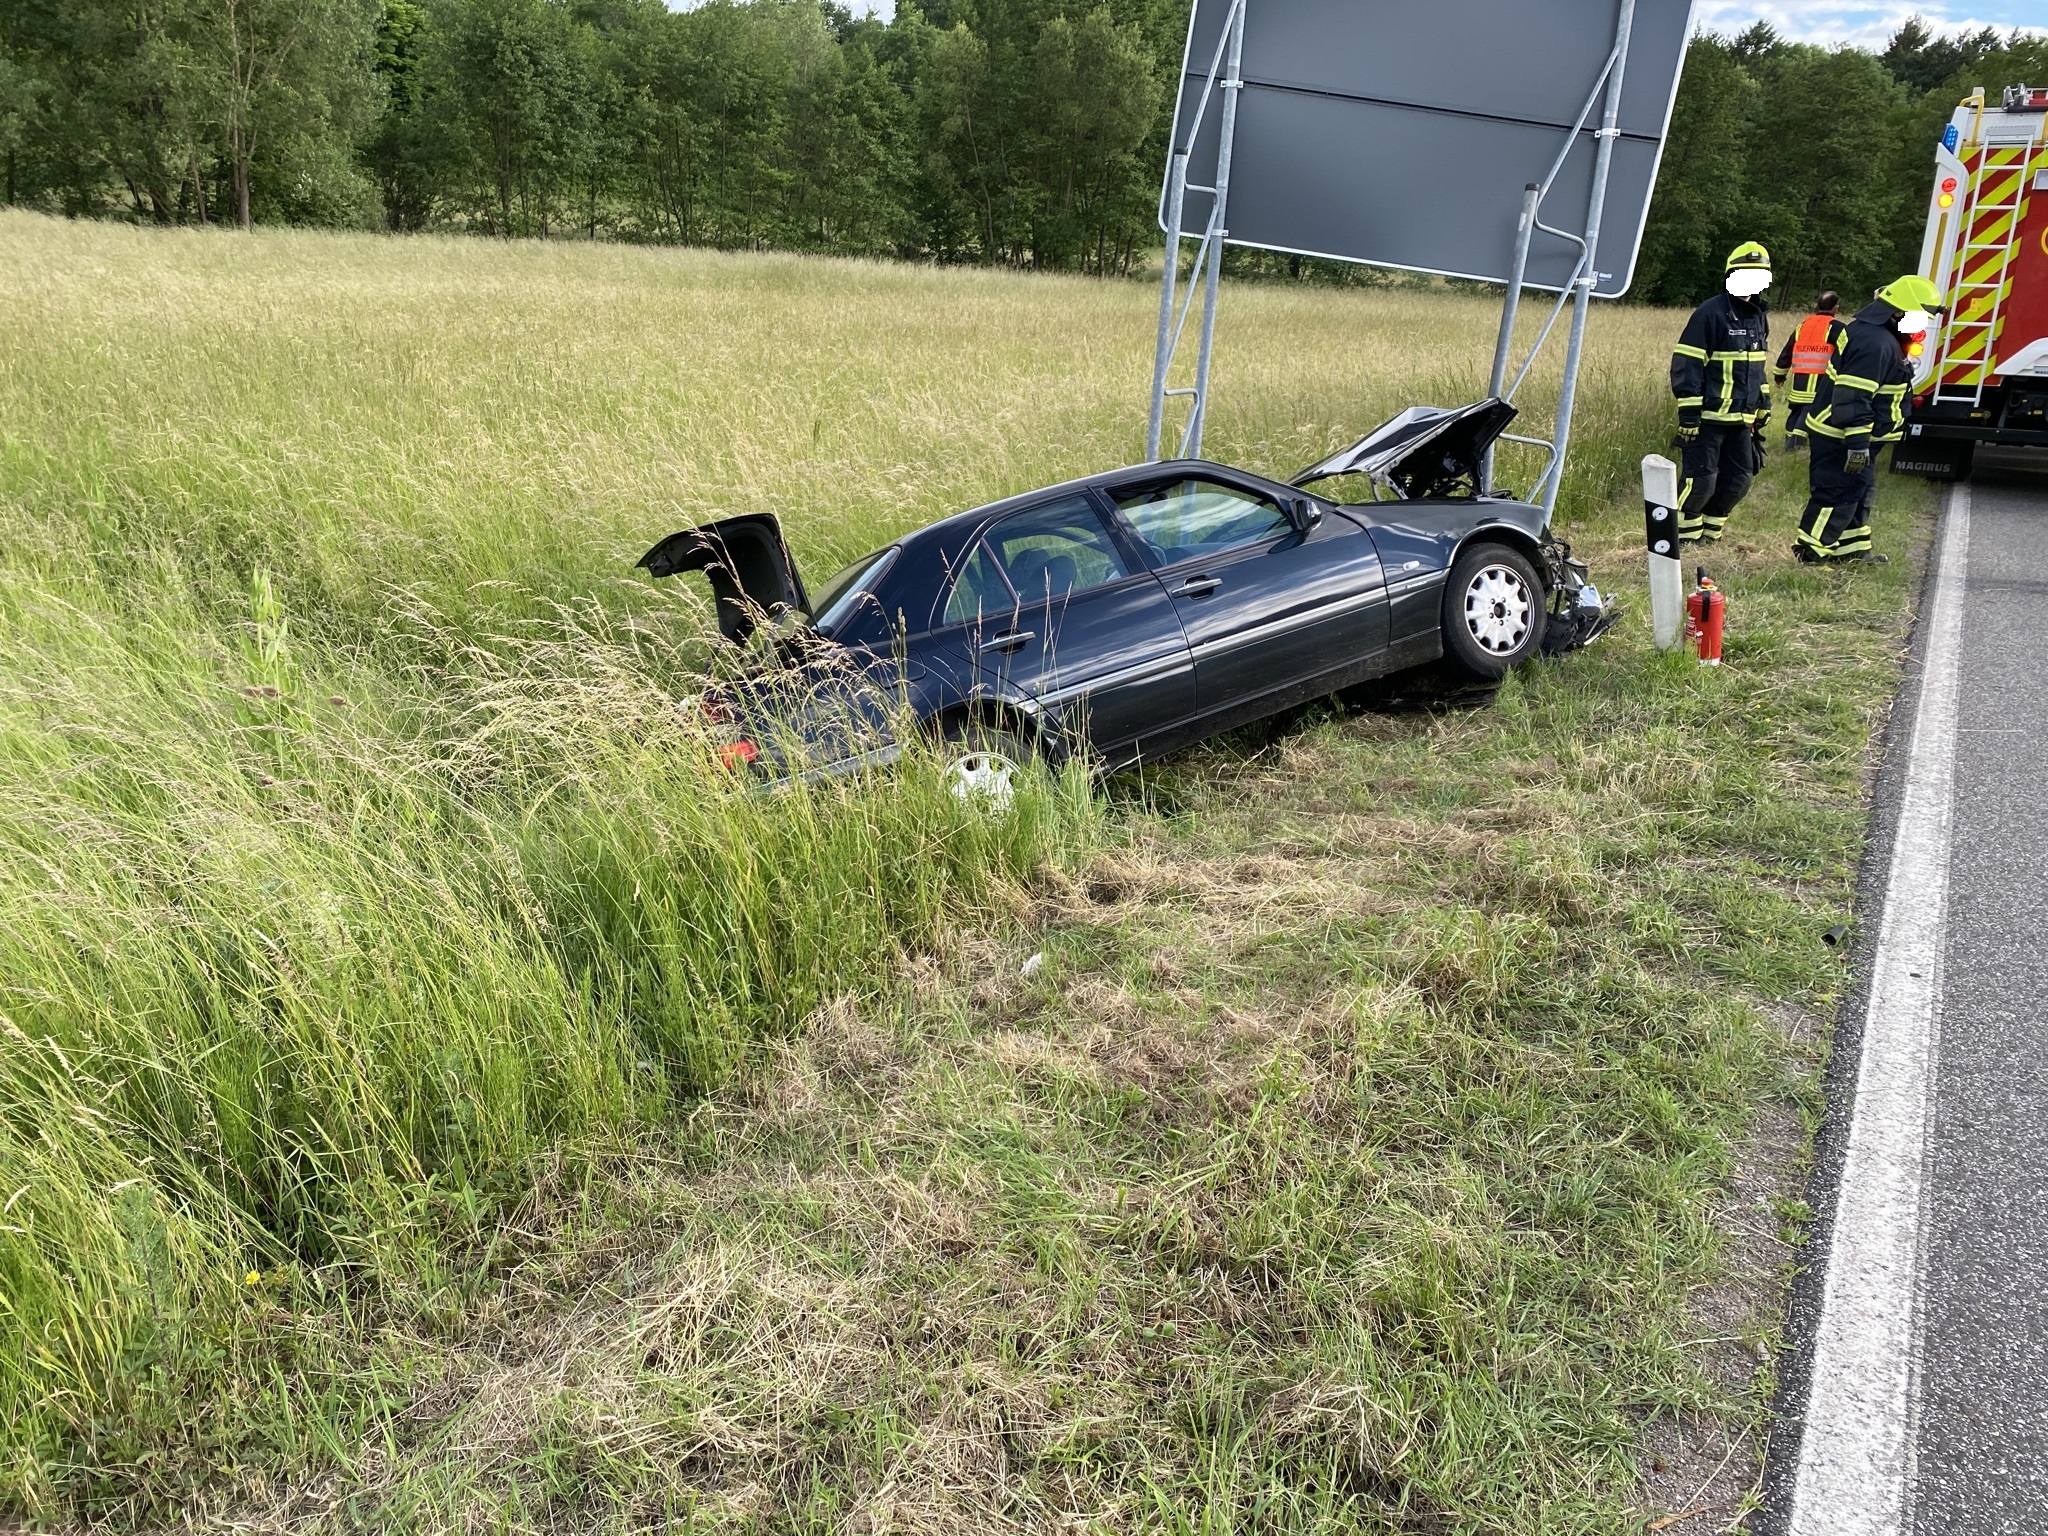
(1948, 138)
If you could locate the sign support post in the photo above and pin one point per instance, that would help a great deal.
(1582, 296)
(1504, 346)
(1226, 73)
(1344, 153)
(1233, 82)
(1162, 351)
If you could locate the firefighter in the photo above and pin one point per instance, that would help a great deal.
(1805, 358)
(1720, 376)
(1858, 406)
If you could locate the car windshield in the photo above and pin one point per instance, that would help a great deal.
(844, 591)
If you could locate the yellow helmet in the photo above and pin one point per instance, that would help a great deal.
(1911, 292)
(1748, 254)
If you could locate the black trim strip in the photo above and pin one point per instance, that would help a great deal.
(1588, 130)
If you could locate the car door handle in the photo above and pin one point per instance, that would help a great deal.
(1012, 640)
(1199, 586)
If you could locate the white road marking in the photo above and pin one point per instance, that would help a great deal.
(1856, 1455)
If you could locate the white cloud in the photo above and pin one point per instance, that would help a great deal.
(1850, 21)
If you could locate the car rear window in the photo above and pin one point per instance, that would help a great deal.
(839, 606)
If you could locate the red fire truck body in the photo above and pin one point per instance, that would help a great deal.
(1983, 376)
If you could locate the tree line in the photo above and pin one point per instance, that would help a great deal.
(1025, 133)
(1019, 132)
(1824, 154)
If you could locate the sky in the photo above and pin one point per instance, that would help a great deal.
(1855, 21)
(1819, 21)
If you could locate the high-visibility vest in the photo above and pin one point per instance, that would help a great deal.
(1810, 350)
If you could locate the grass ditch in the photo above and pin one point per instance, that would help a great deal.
(305, 972)
(609, 1148)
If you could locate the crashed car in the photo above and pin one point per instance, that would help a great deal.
(1127, 614)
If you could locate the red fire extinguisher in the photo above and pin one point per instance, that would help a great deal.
(1705, 609)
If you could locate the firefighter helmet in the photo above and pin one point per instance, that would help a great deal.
(1911, 292)
(1749, 254)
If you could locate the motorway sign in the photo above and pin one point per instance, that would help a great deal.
(1402, 134)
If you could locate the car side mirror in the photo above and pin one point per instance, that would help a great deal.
(1303, 512)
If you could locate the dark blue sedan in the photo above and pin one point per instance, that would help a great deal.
(1130, 613)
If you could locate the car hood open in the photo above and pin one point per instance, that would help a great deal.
(1425, 451)
(747, 563)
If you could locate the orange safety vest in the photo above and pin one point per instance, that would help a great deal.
(1810, 350)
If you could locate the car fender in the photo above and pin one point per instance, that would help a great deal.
(947, 689)
(1513, 523)
(1008, 710)
(1578, 613)
(1418, 540)
(1434, 532)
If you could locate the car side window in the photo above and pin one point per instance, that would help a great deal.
(1056, 550)
(1191, 518)
(978, 588)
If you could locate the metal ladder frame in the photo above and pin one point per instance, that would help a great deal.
(1226, 74)
(1974, 395)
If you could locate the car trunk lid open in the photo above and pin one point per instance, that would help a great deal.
(748, 564)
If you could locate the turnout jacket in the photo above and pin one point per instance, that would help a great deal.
(1720, 369)
(1862, 397)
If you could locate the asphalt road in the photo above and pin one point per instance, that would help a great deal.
(1915, 1396)
(1983, 1443)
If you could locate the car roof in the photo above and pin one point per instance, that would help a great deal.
(928, 556)
(960, 526)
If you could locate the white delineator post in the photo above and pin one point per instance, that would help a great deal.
(1660, 533)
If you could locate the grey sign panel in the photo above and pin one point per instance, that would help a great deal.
(1401, 132)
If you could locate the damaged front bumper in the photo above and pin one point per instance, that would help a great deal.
(1579, 614)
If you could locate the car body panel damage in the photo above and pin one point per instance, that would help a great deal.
(1130, 613)
(1425, 452)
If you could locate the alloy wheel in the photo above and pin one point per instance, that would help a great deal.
(986, 778)
(1498, 609)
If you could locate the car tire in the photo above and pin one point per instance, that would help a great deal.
(982, 762)
(1493, 613)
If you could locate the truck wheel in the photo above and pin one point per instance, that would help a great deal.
(1494, 611)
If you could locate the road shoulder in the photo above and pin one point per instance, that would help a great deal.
(1806, 1309)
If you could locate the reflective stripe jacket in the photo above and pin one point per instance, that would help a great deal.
(1862, 396)
(1807, 353)
(1719, 369)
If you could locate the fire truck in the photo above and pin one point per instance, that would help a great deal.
(1982, 375)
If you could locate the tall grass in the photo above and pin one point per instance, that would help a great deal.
(294, 950)
(353, 858)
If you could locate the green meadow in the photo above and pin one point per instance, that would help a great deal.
(435, 1095)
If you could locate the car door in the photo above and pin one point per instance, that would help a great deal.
(1062, 615)
(1274, 613)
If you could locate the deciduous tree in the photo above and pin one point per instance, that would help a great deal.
(271, 68)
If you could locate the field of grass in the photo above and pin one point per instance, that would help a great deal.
(432, 1098)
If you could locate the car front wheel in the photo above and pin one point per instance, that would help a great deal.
(1493, 611)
